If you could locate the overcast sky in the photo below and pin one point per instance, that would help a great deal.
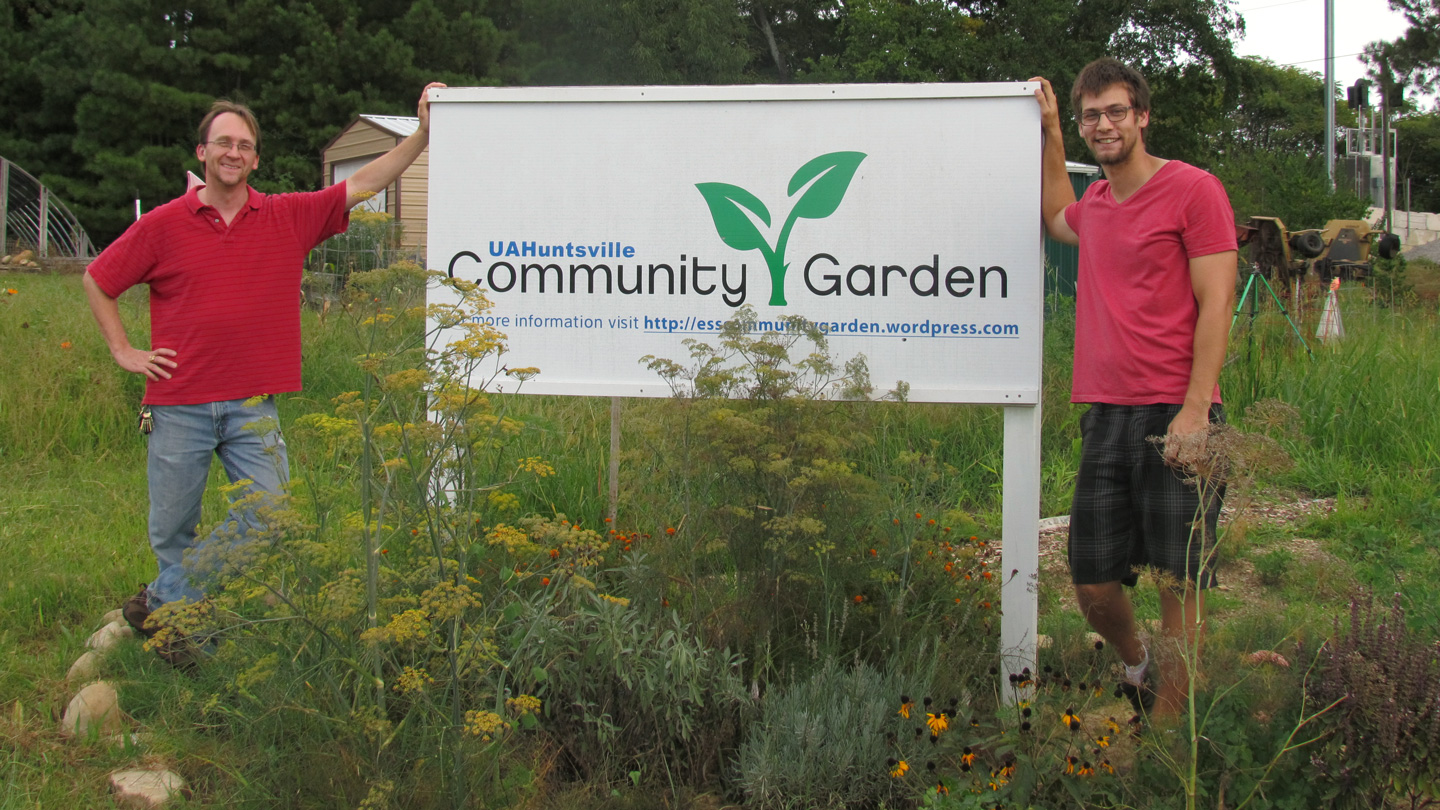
(1292, 32)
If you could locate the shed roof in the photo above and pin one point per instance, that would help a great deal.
(401, 126)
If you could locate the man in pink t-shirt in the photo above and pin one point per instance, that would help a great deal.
(1153, 308)
(223, 263)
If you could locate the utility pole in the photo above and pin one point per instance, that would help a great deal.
(1387, 93)
(1330, 93)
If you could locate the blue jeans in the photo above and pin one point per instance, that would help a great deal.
(249, 444)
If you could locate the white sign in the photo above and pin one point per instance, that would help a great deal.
(607, 224)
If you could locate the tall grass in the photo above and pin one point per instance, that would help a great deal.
(72, 524)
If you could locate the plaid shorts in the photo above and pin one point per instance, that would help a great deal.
(1131, 510)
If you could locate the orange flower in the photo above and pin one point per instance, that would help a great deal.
(414, 532)
(669, 529)
(859, 598)
(609, 520)
(873, 553)
(554, 553)
(545, 581)
(896, 521)
(987, 575)
(932, 521)
(985, 605)
(65, 345)
(917, 515)
(12, 291)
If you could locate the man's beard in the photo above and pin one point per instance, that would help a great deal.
(1116, 158)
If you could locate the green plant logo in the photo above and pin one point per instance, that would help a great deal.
(828, 177)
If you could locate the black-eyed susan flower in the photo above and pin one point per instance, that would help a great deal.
(937, 722)
(967, 758)
(941, 790)
(1085, 770)
(906, 704)
(1112, 725)
(1070, 763)
(1107, 767)
(1103, 742)
(1070, 719)
(899, 768)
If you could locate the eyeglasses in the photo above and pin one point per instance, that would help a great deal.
(1116, 114)
(245, 147)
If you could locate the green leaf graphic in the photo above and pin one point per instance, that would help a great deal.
(728, 205)
(832, 174)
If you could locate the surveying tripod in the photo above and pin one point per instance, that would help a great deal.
(1249, 286)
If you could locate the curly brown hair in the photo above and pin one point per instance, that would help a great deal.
(1098, 76)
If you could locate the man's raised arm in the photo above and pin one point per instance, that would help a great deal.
(386, 169)
(1056, 193)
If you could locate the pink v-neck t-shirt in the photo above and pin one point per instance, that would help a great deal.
(1135, 308)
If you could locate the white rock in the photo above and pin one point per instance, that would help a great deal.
(97, 706)
(1043, 642)
(1046, 524)
(85, 668)
(116, 615)
(147, 789)
(110, 635)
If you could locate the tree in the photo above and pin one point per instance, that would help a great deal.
(1269, 148)
(102, 96)
(1414, 59)
(1183, 47)
(1418, 155)
(585, 42)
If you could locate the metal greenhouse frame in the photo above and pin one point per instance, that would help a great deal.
(30, 217)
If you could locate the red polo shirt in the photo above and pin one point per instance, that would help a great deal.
(226, 299)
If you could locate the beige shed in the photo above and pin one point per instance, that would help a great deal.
(369, 137)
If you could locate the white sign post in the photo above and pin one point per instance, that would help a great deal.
(611, 223)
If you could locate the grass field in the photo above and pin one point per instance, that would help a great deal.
(72, 526)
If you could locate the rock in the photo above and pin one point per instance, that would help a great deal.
(1053, 523)
(85, 668)
(146, 788)
(109, 636)
(22, 257)
(97, 706)
(116, 615)
(1043, 642)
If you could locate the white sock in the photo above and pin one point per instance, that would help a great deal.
(1136, 674)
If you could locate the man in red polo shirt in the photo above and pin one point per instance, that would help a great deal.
(1152, 316)
(223, 264)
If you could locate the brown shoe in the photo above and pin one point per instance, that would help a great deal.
(136, 610)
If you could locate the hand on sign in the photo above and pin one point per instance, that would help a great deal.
(1049, 106)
